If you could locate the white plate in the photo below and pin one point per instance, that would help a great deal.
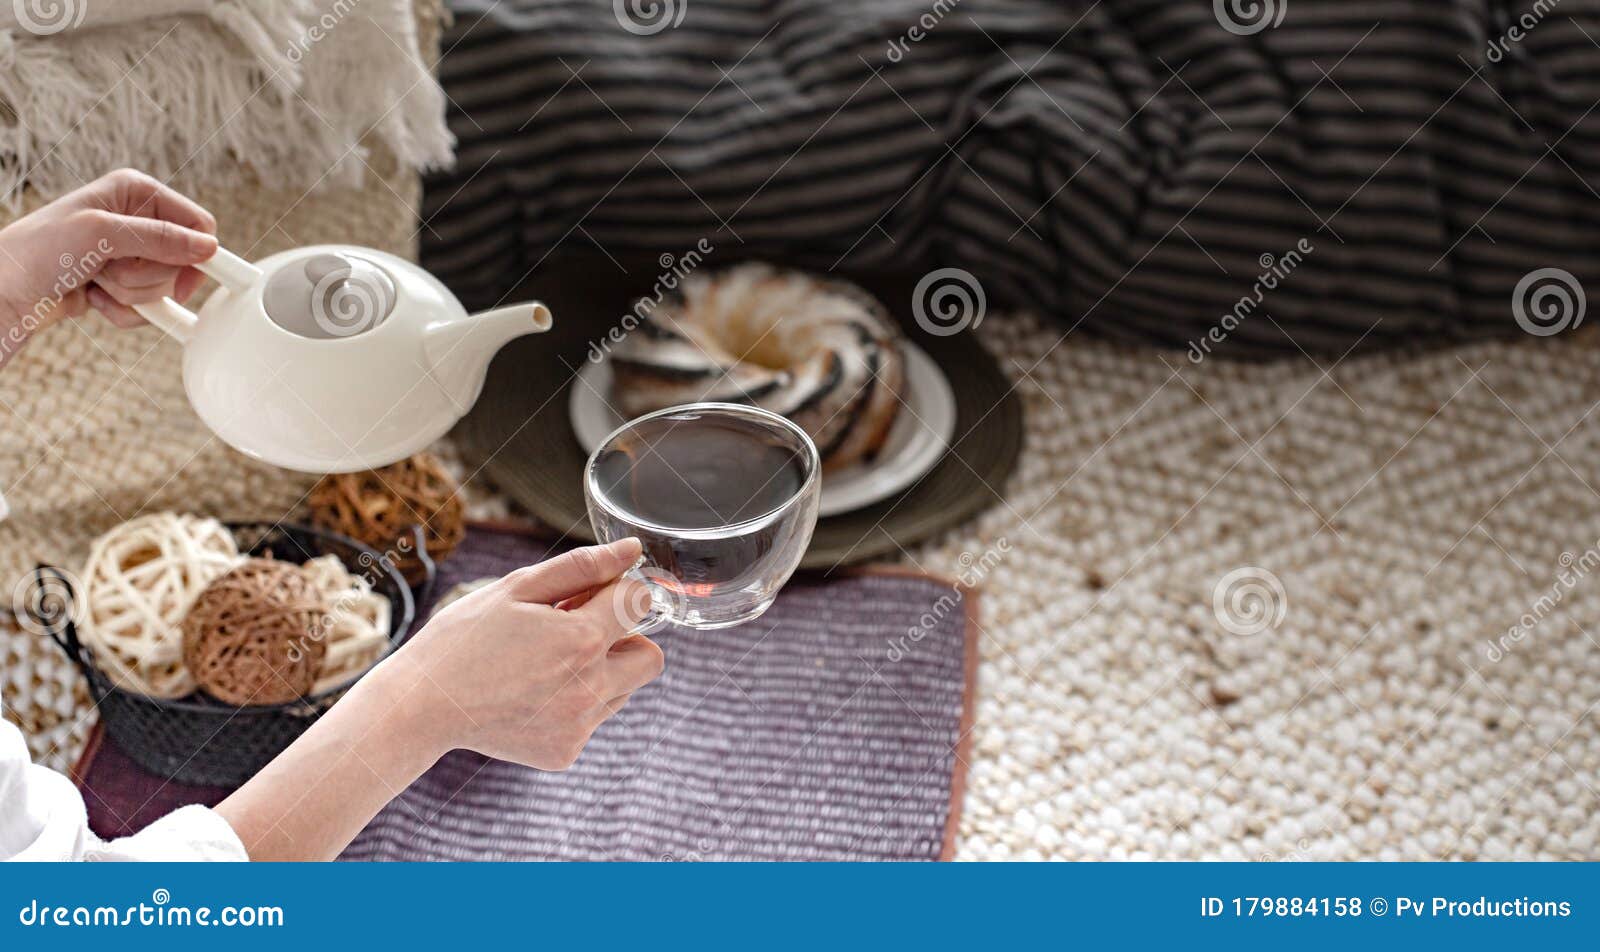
(918, 438)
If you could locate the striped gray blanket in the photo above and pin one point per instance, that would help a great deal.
(1241, 176)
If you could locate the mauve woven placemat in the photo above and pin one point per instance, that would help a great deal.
(795, 737)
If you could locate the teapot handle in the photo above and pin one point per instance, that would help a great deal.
(224, 267)
(176, 320)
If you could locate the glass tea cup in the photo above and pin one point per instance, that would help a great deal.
(723, 498)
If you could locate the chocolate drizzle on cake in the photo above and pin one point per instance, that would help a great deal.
(821, 352)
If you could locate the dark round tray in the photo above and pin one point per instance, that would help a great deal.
(522, 431)
(200, 740)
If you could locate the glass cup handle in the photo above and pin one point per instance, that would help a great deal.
(660, 615)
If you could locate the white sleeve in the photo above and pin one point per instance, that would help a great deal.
(42, 817)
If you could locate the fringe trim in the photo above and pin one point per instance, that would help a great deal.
(282, 88)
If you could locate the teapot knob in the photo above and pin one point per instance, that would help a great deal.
(319, 267)
(329, 295)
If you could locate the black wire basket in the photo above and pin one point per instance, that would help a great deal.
(200, 740)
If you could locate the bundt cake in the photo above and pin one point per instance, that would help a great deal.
(821, 352)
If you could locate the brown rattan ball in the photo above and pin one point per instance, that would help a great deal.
(379, 506)
(252, 636)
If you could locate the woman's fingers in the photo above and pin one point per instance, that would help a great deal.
(129, 236)
(189, 281)
(115, 290)
(137, 273)
(117, 313)
(622, 605)
(573, 573)
(149, 213)
(131, 192)
(632, 663)
(130, 296)
(574, 602)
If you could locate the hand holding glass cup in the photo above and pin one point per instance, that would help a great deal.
(723, 498)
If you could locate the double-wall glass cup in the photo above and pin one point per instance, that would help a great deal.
(723, 498)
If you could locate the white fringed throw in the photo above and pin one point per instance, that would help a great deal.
(194, 90)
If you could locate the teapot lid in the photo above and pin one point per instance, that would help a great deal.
(329, 294)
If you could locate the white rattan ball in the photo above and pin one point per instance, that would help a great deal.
(358, 621)
(140, 579)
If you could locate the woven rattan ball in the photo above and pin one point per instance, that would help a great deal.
(357, 623)
(254, 635)
(379, 507)
(137, 586)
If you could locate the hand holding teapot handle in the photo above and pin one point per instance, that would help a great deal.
(122, 240)
(224, 267)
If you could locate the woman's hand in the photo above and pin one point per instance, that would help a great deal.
(121, 240)
(524, 670)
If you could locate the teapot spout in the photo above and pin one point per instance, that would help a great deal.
(458, 351)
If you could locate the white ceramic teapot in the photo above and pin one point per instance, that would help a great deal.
(334, 358)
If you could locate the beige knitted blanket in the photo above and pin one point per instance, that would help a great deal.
(1418, 684)
(1418, 676)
